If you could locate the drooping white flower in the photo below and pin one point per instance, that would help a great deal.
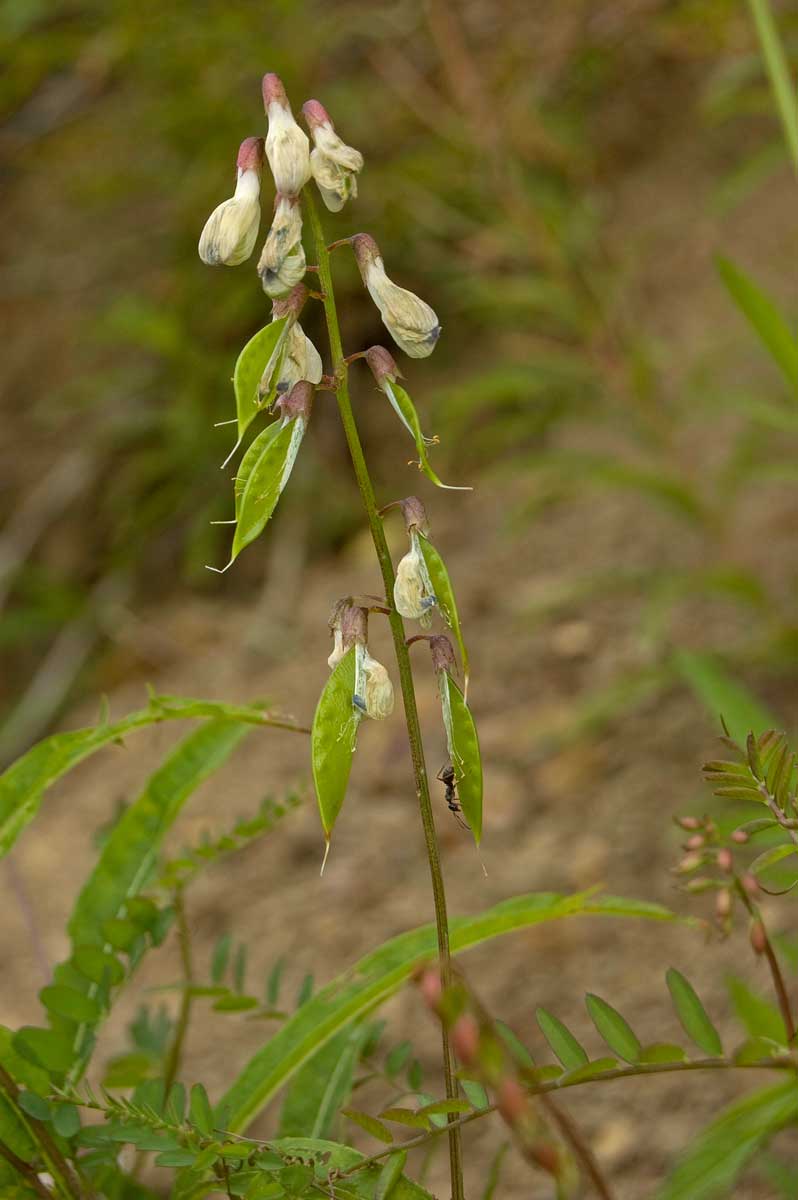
(287, 146)
(282, 262)
(231, 230)
(296, 358)
(373, 687)
(333, 164)
(413, 593)
(411, 322)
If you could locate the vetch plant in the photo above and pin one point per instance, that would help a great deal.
(327, 1044)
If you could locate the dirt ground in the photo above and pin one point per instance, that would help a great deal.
(562, 812)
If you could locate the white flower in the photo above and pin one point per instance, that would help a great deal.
(282, 262)
(301, 360)
(413, 593)
(287, 146)
(410, 321)
(333, 164)
(231, 230)
(373, 687)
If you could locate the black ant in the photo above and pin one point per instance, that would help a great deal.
(447, 778)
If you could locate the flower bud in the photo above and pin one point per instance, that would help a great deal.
(410, 321)
(431, 988)
(511, 1100)
(383, 366)
(688, 822)
(758, 936)
(723, 903)
(333, 164)
(282, 262)
(465, 1038)
(695, 842)
(740, 836)
(725, 860)
(287, 147)
(231, 230)
(413, 593)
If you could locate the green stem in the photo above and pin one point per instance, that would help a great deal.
(181, 1029)
(402, 662)
(65, 1178)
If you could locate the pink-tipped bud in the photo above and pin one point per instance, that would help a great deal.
(383, 366)
(751, 884)
(758, 937)
(297, 402)
(725, 860)
(740, 837)
(511, 1101)
(250, 155)
(690, 862)
(443, 658)
(274, 91)
(547, 1158)
(465, 1038)
(431, 989)
(316, 115)
(723, 903)
(688, 823)
(415, 514)
(695, 842)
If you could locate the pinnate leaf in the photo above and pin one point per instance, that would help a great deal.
(692, 1014)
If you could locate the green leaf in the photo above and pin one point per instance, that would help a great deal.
(390, 1175)
(765, 318)
(570, 1053)
(475, 1093)
(268, 473)
(597, 1067)
(444, 594)
(24, 783)
(769, 858)
(759, 1017)
(453, 1105)
(45, 1048)
(21, 1069)
(379, 975)
(130, 853)
(406, 411)
(463, 745)
(322, 1086)
(66, 1120)
(14, 1132)
(779, 72)
(250, 365)
(376, 1128)
(615, 1030)
(723, 696)
(34, 1106)
(97, 965)
(405, 1116)
(514, 1044)
(662, 1052)
(200, 1111)
(711, 1165)
(233, 1002)
(692, 1014)
(332, 740)
(397, 1058)
(70, 1003)
(221, 957)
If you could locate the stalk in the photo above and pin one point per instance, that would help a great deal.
(340, 371)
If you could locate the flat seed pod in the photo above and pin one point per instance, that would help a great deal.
(463, 746)
(444, 594)
(254, 451)
(265, 481)
(333, 740)
(249, 368)
(406, 411)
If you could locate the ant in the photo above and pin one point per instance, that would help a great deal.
(447, 778)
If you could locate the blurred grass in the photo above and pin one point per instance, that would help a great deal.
(494, 137)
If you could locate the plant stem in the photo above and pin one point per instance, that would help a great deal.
(779, 985)
(66, 1181)
(402, 662)
(27, 1172)
(181, 1029)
